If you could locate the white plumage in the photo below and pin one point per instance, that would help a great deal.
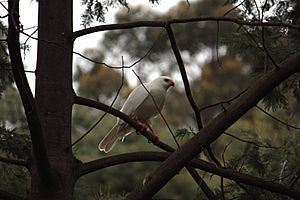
(141, 106)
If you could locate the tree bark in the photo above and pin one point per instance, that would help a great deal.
(54, 94)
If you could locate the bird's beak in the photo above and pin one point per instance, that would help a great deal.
(171, 83)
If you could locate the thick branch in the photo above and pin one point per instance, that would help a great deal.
(216, 127)
(149, 136)
(137, 24)
(200, 164)
(39, 150)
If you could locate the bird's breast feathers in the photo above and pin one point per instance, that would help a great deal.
(144, 104)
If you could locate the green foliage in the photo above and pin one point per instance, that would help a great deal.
(279, 42)
(183, 132)
(271, 164)
(105, 194)
(275, 100)
(15, 180)
(95, 10)
(14, 144)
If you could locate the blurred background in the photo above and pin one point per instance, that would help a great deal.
(221, 59)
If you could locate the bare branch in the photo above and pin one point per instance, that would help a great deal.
(184, 76)
(217, 44)
(9, 69)
(223, 153)
(109, 161)
(188, 89)
(145, 133)
(102, 116)
(223, 102)
(4, 6)
(214, 128)
(235, 7)
(39, 150)
(276, 119)
(251, 142)
(21, 163)
(264, 43)
(162, 24)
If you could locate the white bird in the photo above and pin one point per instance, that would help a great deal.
(140, 106)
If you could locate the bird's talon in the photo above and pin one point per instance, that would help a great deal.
(157, 140)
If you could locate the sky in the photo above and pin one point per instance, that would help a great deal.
(29, 18)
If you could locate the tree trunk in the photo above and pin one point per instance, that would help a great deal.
(54, 94)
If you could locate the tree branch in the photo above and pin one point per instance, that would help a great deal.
(216, 127)
(208, 152)
(276, 119)
(196, 163)
(94, 104)
(137, 24)
(184, 76)
(21, 163)
(39, 150)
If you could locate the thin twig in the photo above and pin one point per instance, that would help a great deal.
(263, 37)
(4, 6)
(104, 114)
(223, 153)
(223, 102)
(260, 18)
(251, 142)
(4, 16)
(27, 40)
(9, 69)
(276, 119)
(184, 76)
(217, 44)
(235, 7)
(222, 188)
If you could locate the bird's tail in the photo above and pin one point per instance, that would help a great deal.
(108, 142)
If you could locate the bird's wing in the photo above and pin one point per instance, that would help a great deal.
(135, 100)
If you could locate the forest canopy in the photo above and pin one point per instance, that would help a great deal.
(225, 48)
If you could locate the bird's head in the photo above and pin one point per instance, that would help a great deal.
(165, 81)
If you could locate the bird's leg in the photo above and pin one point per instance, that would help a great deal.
(154, 133)
(145, 126)
(142, 124)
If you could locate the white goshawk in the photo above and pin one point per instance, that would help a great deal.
(140, 106)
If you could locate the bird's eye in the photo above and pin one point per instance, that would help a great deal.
(166, 80)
